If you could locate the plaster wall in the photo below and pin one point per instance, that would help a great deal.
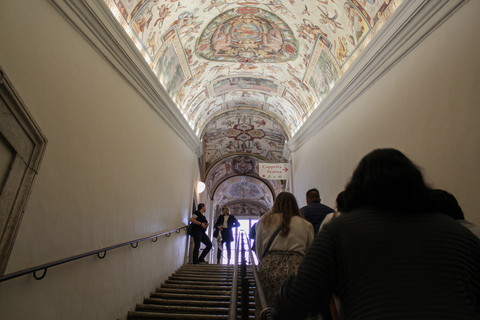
(113, 171)
(427, 106)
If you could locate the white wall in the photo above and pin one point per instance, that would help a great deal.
(113, 171)
(427, 106)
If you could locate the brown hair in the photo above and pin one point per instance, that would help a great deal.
(285, 204)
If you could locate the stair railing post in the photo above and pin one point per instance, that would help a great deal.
(245, 301)
(244, 264)
(232, 312)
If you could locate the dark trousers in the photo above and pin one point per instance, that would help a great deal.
(219, 251)
(200, 237)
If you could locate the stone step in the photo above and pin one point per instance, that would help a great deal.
(177, 296)
(189, 290)
(199, 292)
(207, 267)
(224, 304)
(181, 309)
(185, 309)
(197, 277)
(197, 281)
(202, 286)
(196, 272)
(200, 281)
(133, 315)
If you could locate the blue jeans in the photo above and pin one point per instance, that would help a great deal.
(219, 251)
(200, 237)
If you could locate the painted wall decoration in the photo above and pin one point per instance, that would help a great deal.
(270, 40)
(268, 106)
(243, 165)
(242, 132)
(322, 72)
(247, 34)
(244, 190)
(267, 86)
(246, 74)
(171, 67)
(236, 165)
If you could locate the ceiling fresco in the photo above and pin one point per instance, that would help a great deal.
(239, 166)
(243, 192)
(246, 74)
(242, 130)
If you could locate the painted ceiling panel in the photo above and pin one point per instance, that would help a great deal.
(234, 166)
(243, 131)
(292, 51)
(244, 190)
(246, 74)
(243, 209)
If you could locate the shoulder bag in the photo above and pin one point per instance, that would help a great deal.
(271, 241)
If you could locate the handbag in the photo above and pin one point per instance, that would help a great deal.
(189, 228)
(215, 233)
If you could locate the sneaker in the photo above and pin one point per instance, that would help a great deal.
(203, 262)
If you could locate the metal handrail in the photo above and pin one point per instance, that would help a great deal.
(232, 310)
(232, 313)
(44, 267)
(258, 283)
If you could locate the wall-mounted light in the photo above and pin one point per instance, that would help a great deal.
(200, 187)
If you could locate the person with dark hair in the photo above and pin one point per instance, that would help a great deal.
(388, 256)
(314, 212)
(282, 237)
(253, 231)
(340, 207)
(200, 224)
(225, 224)
(445, 202)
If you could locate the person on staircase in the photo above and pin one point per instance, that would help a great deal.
(282, 238)
(315, 211)
(200, 224)
(225, 224)
(389, 255)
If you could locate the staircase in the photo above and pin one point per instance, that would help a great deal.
(195, 292)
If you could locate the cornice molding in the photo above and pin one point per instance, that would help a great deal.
(93, 20)
(411, 22)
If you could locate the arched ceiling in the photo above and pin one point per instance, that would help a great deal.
(246, 74)
(235, 181)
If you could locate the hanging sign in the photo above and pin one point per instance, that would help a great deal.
(275, 171)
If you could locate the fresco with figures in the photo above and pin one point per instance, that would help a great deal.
(246, 74)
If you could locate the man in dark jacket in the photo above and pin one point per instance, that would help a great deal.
(200, 224)
(314, 212)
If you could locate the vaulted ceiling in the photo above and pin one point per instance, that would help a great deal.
(246, 74)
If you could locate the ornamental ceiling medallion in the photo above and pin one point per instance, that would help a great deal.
(247, 35)
(244, 165)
